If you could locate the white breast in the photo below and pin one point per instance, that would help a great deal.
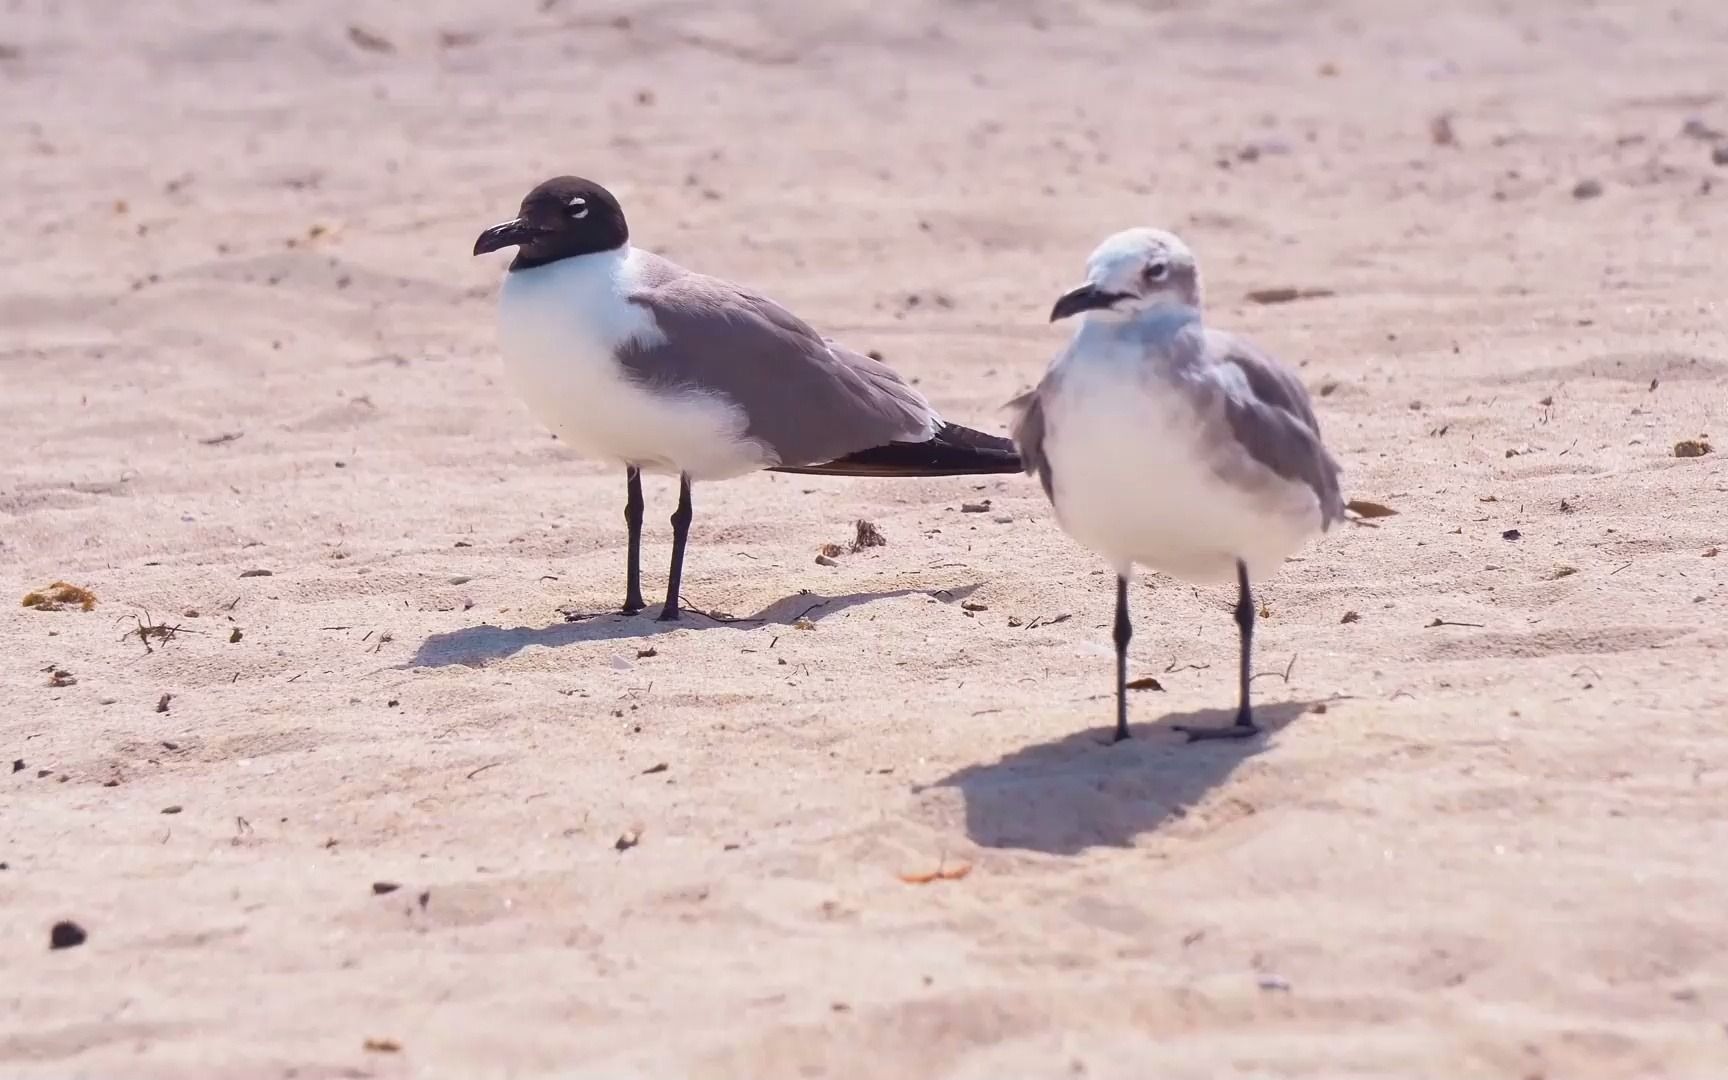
(1134, 468)
(560, 326)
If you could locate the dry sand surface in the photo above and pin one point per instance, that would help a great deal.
(241, 331)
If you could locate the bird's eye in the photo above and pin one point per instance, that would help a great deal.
(1157, 271)
(578, 207)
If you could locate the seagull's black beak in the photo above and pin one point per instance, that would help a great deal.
(512, 232)
(1087, 297)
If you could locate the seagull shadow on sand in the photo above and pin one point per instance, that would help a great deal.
(476, 646)
(1082, 791)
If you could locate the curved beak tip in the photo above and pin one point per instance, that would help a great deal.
(499, 236)
(1086, 297)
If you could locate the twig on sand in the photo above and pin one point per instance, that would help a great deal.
(145, 630)
(719, 616)
(1048, 621)
(941, 873)
(1283, 676)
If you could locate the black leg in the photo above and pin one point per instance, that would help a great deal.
(1244, 725)
(1245, 623)
(633, 521)
(1124, 631)
(680, 533)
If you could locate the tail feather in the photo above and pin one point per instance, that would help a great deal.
(955, 451)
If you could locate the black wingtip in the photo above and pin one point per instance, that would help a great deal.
(955, 451)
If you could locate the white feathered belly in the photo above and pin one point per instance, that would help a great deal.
(559, 328)
(1136, 478)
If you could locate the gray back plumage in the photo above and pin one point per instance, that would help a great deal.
(1275, 422)
(1027, 430)
(806, 398)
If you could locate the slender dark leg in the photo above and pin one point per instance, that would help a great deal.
(680, 533)
(1244, 725)
(1245, 623)
(1124, 631)
(633, 521)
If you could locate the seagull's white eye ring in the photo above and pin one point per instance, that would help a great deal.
(578, 207)
(1157, 271)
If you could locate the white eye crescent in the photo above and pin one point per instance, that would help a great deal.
(578, 207)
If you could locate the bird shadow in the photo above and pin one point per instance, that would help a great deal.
(475, 646)
(1083, 791)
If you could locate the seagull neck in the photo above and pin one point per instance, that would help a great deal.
(1166, 320)
(1166, 337)
(612, 255)
(1151, 325)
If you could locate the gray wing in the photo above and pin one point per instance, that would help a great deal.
(1275, 422)
(807, 399)
(1027, 431)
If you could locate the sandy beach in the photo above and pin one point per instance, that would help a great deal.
(333, 789)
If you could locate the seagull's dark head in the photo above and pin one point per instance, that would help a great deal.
(1134, 271)
(565, 216)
